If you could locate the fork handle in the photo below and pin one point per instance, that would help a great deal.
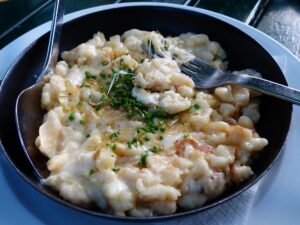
(269, 87)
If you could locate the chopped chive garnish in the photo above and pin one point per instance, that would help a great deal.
(102, 75)
(121, 97)
(100, 102)
(155, 149)
(82, 122)
(91, 172)
(103, 97)
(186, 135)
(196, 106)
(88, 75)
(114, 134)
(98, 107)
(113, 147)
(71, 116)
(115, 169)
(143, 159)
(123, 66)
(79, 104)
(147, 139)
(104, 62)
(162, 126)
(134, 141)
(84, 85)
(166, 47)
(114, 70)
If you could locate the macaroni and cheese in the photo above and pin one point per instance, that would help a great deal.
(155, 142)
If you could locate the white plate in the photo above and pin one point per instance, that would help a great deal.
(278, 198)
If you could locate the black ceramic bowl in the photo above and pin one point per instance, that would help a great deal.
(242, 51)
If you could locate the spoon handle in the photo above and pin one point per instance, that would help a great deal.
(55, 33)
(271, 88)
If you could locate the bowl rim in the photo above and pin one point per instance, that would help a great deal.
(103, 215)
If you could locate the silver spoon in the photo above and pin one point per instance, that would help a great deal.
(28, 113)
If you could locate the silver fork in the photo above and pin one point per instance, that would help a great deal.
(206, 76)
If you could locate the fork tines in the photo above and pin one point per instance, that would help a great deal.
(196, 65)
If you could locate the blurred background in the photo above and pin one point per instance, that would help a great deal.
(278, 18)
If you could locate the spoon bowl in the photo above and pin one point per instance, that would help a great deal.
(28, 112)
(29, 116)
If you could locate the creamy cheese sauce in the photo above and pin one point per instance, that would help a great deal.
(155, 142)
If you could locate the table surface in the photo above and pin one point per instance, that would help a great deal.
(278, 18)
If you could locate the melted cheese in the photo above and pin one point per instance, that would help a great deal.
(137, 165)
